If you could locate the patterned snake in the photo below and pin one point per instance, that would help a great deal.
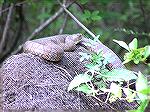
(52, 48)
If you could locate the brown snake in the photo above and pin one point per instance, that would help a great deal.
(52, 48)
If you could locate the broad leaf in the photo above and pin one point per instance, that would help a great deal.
(130, 96)
(84, 56)
(126, 61)
(115, 90)
(141, 84)
(79, 79)
(120, 74)
(84, 88)
(147, 51)
(83, 2)
(133, 45)
(92, 68)
(122, 44)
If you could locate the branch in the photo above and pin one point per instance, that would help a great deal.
(2, 43)
(18, 4)
(44, 25)
(64, 24)
(76, 20)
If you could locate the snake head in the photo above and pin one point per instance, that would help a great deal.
(76, 38)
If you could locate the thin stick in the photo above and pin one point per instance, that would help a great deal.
(18, 4)
(76, 20)
(2, 43)
(64, 24)
(64, 71)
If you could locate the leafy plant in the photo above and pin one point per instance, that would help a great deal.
(134, 53)
(89, 17)
(99, 79)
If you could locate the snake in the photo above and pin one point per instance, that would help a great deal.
(52, 48)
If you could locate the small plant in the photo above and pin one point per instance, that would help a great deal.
(101, 78)
(134, 53)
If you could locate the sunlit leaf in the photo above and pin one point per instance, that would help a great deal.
(122, 44)
(85, 89)
(92, 68)
(147, 51)
(127, 91)
(129, 94)
(115, 90)
(136, 61)
(120, 74)
(95, 16)
(142, 107)
(141, 84)
(133, 44)
(79, 79)
(84, 56)
(126, 61)
(83, 1)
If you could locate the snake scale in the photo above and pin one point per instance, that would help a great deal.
(52, 48)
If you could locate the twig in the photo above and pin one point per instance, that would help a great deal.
(44, 25)
(64, 71)
(2, 43)
(64, 24)
(65, 20)
(103, 102)
(76, 20)
(18, 4)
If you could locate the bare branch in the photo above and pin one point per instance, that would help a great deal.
(2, 43)
(44, 25)
(76, 20)
(18, 4)
(64, 24)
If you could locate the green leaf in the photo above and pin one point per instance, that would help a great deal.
(136, 61)
(141, 84)
(142, 107)
(95, 16)
(87, 13)
(79, 79)
(122, 44)
(83, 2)
(130, 96)
(84, 56)
(126, 61)
(85, 89)
(127, 91)
(133, 44)
(92, 68)
(100, 84)
(120, 74)
(145, 91)
(116, 90)
(147, 51)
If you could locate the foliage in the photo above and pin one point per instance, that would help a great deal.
(134, 53)
(102, 17)
(99, 79)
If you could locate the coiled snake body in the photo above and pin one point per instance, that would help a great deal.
(52, 48)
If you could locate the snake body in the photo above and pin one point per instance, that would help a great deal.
(52, 48)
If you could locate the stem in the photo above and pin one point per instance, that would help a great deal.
(76, 20)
